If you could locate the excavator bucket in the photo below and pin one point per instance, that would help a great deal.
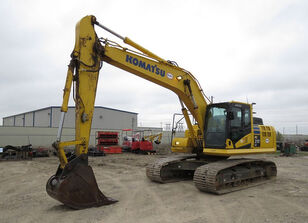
(76, 186)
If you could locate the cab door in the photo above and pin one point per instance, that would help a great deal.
(240, 124)
(216, 126)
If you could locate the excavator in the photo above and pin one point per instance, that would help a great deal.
(154, 138)
(219, 131)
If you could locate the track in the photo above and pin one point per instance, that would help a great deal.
(231, 175)
(218, 177)
(162, 172)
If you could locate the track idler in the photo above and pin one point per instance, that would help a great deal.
(76, 186)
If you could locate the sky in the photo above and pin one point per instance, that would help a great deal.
(250, 51)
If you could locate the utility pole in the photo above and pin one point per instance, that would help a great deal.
(212, 99)
(296, 130)
(167, 128)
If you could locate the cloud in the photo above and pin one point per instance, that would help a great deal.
(255, 51)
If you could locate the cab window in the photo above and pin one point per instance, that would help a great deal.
(215, 130)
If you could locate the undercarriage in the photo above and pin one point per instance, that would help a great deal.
(212, 174)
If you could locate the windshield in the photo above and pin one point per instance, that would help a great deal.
(215, 129)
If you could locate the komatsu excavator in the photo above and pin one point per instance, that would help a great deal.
(220, 130)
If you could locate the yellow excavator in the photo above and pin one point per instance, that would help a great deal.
(154, 138)
(220, 130)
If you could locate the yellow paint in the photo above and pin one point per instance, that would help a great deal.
(182, 145)
(246, 140)
(229, 144)
(231, 152)
(61, 153)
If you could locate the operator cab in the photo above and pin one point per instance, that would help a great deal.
(229, 120)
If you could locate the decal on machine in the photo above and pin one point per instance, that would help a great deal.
(256, 130)
(146, 66)
(169, 75)
(257, 141)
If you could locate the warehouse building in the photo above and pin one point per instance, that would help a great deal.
(39, 127)
(103, 118)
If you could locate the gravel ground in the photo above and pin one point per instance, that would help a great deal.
(122, 176)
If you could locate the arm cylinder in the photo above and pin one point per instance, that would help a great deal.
(109, 30)
(131, 43)
(60, 126)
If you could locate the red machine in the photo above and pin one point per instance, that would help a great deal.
(146, 145)
(108, 142)
(127, 140)
(136, 142)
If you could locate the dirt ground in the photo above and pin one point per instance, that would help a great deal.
(122, 176)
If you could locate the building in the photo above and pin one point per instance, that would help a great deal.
(103, 118)
(40, 127)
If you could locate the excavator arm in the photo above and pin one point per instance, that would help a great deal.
(74, 183)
